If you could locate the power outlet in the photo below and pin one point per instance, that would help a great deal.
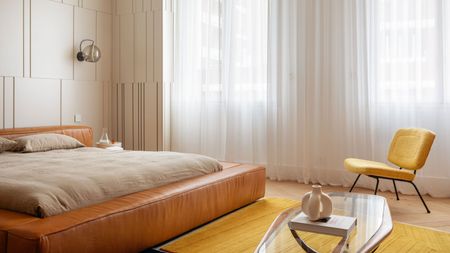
(77, 118)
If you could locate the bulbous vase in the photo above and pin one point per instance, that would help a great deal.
(316, 204)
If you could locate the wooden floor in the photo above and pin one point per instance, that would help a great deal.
(408, 209)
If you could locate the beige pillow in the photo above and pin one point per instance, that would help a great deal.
(46, 142)
(6, 144)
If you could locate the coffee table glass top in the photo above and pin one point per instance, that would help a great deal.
(374, 223)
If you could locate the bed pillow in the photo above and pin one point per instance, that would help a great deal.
(6, 144)
(46, 142)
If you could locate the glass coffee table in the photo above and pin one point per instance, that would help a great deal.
(374, 224)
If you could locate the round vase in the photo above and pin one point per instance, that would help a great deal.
(316, 204)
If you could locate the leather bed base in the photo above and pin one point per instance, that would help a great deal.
(137, 221)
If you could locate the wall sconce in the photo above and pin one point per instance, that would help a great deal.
(90, 53)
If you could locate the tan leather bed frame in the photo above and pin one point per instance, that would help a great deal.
(133, 222)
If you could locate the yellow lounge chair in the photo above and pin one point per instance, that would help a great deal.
(409, 151)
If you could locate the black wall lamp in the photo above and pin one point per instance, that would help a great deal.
(90, 53)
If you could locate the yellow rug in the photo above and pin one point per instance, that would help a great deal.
(242, 230)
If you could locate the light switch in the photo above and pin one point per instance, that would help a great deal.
(77, 118)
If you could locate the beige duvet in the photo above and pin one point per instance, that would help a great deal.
(49, 183)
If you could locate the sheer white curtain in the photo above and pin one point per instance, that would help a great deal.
(300, 85)
(219, 91)
(408, 69)
(318, 96)
(345, 75)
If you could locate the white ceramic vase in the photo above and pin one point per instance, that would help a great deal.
(316, 204)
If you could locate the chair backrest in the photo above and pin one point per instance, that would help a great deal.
(410, 147)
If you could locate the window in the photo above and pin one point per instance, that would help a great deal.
(224, 43)
(408, 55)
(211, 53)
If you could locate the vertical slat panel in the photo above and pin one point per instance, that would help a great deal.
(124, 7)
(127, 48)
(135, 90)
(157, 5)
(107, 113)
(120, 112)
(99, 5)
(158, 71)
(138, 6)
(138, 41)
(159, 118)
(158, 46)
(147, 5)
(142, 116)
(128, 116)
(114, 111)
(150, 117)
(116, 49)
(150, 47)
(164, 101)
(141, 122)
(140, 49)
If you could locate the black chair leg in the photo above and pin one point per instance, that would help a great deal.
(351, 189)
(376, 187)
(395, 187)
(417, 190)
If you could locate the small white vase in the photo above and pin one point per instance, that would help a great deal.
(316, 204)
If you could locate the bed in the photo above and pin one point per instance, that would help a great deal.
(133, 222)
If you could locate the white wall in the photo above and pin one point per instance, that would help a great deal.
(41, 83)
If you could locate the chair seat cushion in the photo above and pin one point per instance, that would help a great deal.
(371, 168)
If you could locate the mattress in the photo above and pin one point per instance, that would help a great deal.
(50, 183)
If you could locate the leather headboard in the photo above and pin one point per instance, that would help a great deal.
(81, 133)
